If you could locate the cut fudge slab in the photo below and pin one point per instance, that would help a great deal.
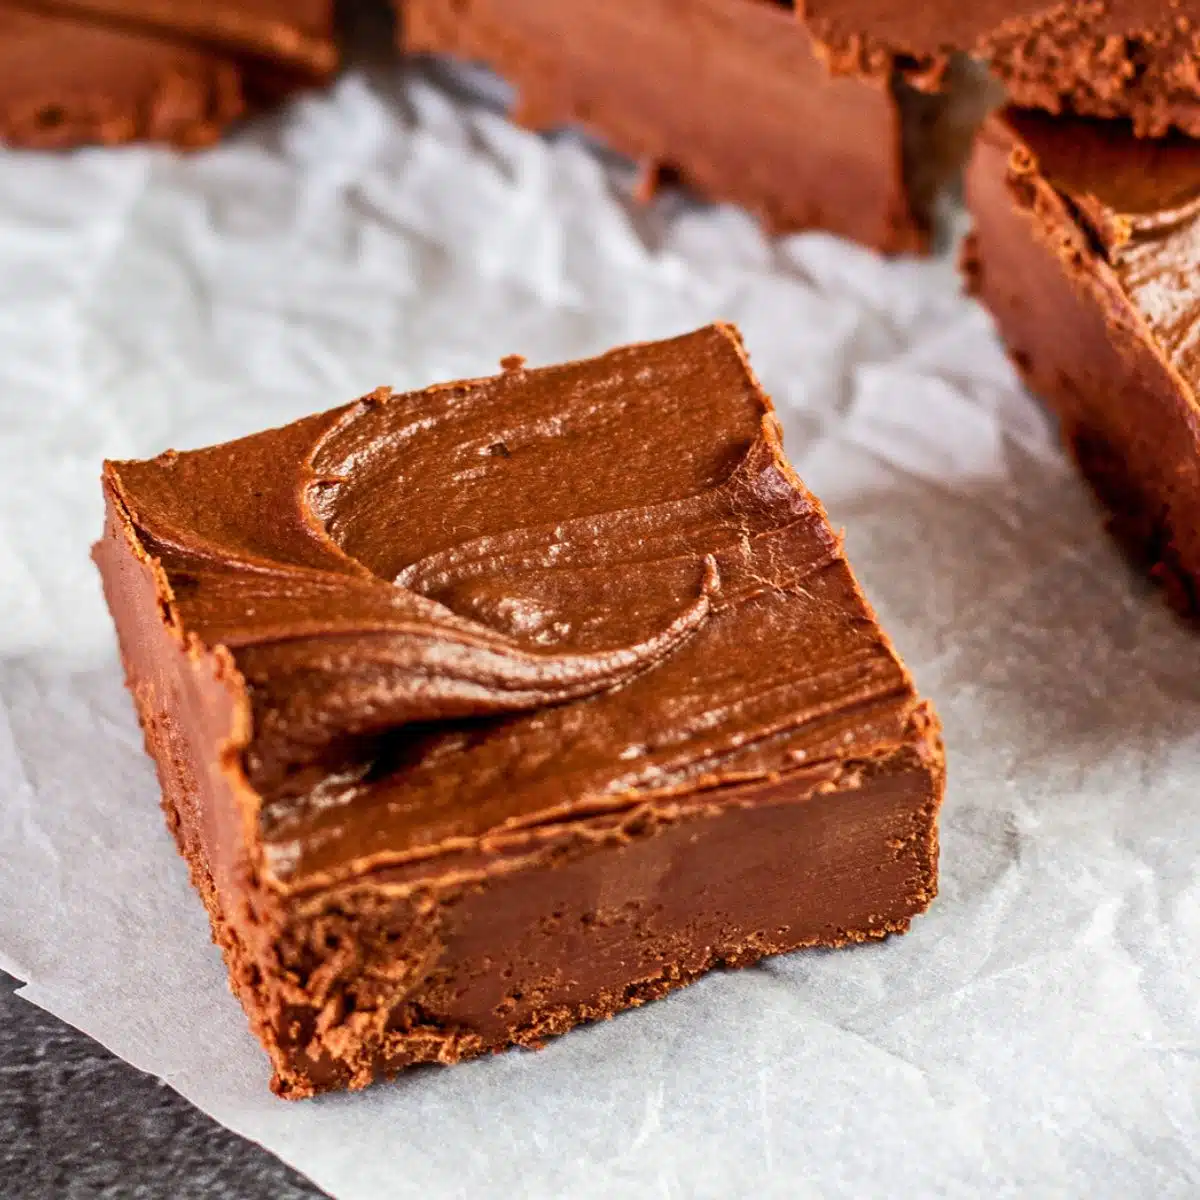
(1135, 59)
(296, 35)
(490, 709)
(177, 71)
(1085, 249)
(725, 94)
(65, 82)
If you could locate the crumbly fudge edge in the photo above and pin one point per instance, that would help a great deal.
(195, 718)
(1053, 60)
(374, 1009)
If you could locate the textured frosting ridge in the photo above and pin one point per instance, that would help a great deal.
(459, 610)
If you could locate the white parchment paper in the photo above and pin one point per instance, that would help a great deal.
(1038, 1033)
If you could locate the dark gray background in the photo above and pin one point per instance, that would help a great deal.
(75, 1121)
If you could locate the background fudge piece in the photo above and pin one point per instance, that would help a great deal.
(513, 703)
(1136, 59)
(78, 71)
(1086, 250)
(65, 82)
(726, 94)
(294, 36)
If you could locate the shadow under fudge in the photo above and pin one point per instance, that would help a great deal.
(487, 710)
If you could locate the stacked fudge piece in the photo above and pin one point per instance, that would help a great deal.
(1085, 197)
(176, 71)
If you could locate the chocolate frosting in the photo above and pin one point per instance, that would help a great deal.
(490, 606)
(1140, 200)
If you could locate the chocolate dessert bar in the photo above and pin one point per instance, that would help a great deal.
(1085, 250)
(1132, 59)
(177, 71)
(490, 709)
(726, 95)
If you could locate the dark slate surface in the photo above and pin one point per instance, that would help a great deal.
(76, 1122)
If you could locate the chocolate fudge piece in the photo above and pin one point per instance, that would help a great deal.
(1134, 59)
(65, 82)
(1085, 249)
(292, 35)
(178, 71)
(490, 709)
(725, 94)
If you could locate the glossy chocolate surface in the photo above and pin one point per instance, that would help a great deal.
(596, 583)
(1140, 198)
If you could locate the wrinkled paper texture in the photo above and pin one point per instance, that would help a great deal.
(1037, 1033)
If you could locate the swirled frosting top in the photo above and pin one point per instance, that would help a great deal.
(505, 602)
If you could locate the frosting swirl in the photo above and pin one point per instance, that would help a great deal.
(464, 609)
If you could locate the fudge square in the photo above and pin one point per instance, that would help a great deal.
(490, 709)
(180, 72)
(1084, 249)
(727, 95)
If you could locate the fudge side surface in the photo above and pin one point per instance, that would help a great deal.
(297, 35)
(64, 82)
(727, 95)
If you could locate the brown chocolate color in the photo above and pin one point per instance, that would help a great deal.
(725, 94)
(494, 708)
(65, 82)
(177, 71)
(295, 34)
(1132, 59)
(1086, 249)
